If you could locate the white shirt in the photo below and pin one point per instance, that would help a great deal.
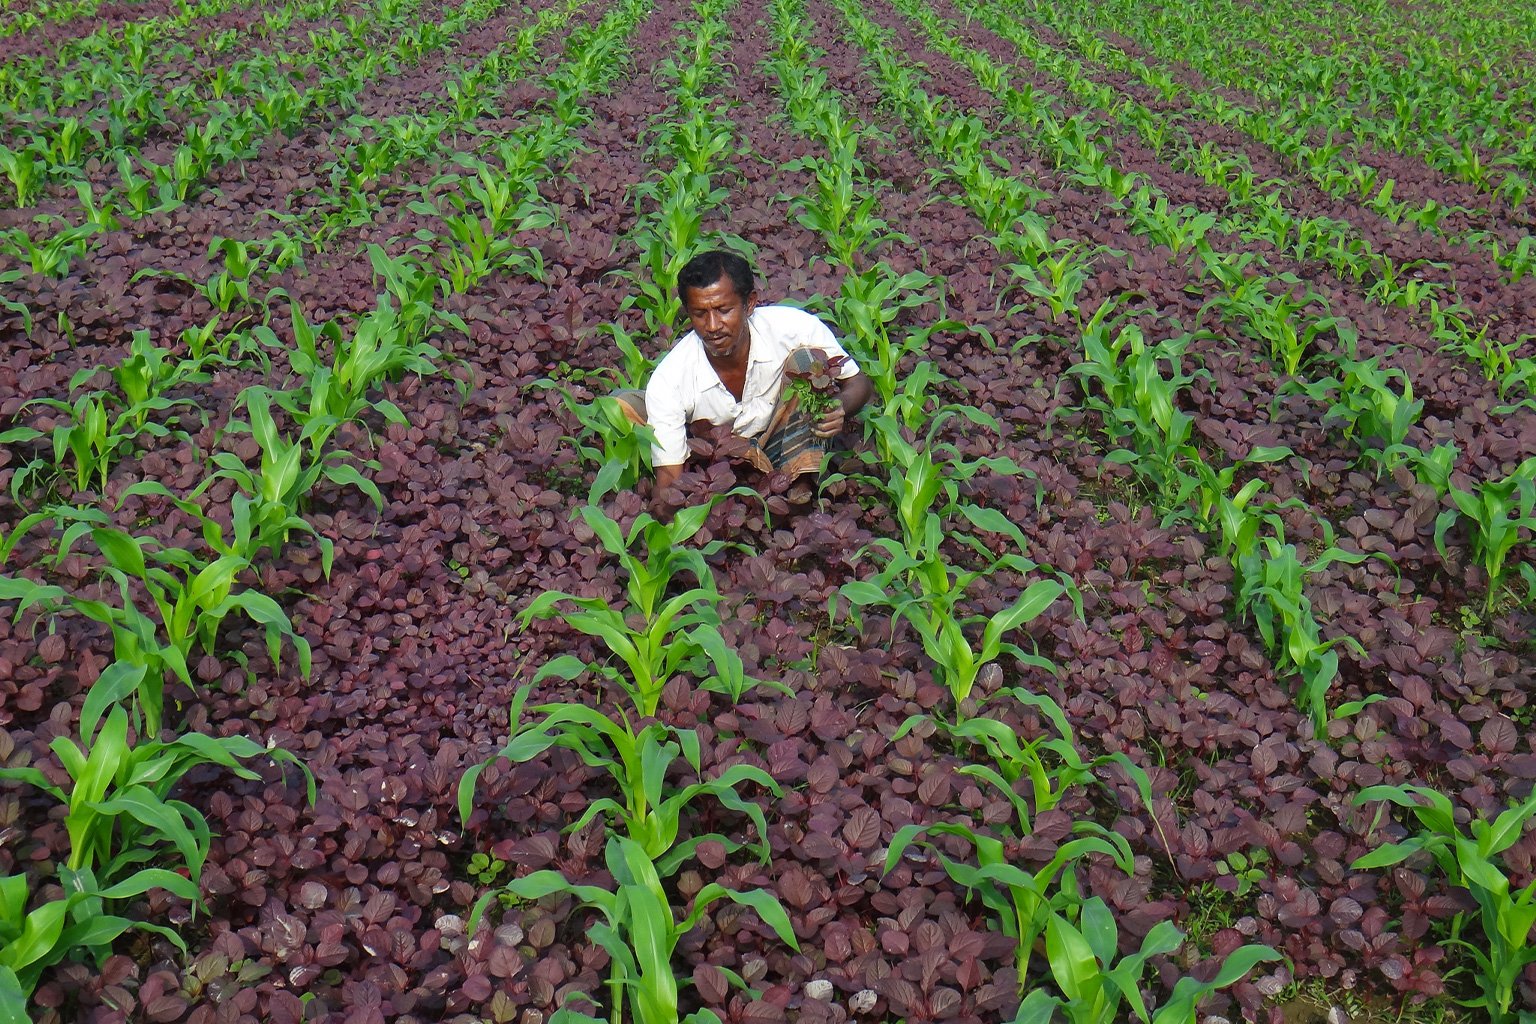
(685, 386)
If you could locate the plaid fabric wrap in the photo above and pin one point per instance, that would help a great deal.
(789, 441)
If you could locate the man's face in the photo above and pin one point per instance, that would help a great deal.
(719, 316)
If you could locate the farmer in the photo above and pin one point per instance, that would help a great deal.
(731, 368)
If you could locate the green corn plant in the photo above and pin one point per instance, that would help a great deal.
(1272, 320)
(842, 208)
(1496, 514)
(142, 658)
(1058, 276)
(337, 380)
(1023, 900)
(25, 172)
(933, 615)
(1451, 328)
(1373, 405)
(1210, 498)
(655, 635)
(91, 434)
(53, 255)
(230, 286)
(119, 811)
(637, 366)
(922, 588)
(1180, 229)
(414, 289)
(1139, 401)
(481, 219)
(32, 941)
(648, 810)
(1050, 764)
(99, 215)
(640, 932)
(1271, 578)
(868, 306)
(255, 526)
(192, 598)
(666, 239)
(119, 816)
(146, 375)
(1434, 467)
(1094, 979)
(622, 452)
(1471, 861)
(279, 488)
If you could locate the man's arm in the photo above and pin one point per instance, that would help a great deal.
(667, 476)
(854, 395)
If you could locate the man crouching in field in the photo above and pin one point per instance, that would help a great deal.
(775, 374)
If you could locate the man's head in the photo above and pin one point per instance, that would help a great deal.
(719, 294)
(708, 267)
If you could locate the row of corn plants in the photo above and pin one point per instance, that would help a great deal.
(694, 139)
(1135, 386)
(172, 603)
(1326, 163)
(1141, 383)
(843, 210)
(1319, 238)
(335, 374)
(366, 150)
(1477, 137)
(1374, 404)
(919, 586)
(63, 77)
(51, 13)
(659, 630)
(153, 187)
(131, 103)
(1325, 239)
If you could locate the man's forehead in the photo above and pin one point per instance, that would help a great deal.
(722, 292)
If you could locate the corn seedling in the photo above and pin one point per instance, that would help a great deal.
(119, 815)
(640, 932)
(1050, 763)
(91, 433)
(1368, 406)
(1023, 900)
(32, 941)
(191, 598)
(1470, 860)
(1139, 401)
(648, 810)
(1094, 978)
(1271, 590)
(279, 488)
(654, 635)
(1496, 514)
(624, 457)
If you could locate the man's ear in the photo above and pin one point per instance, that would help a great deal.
(751, 302)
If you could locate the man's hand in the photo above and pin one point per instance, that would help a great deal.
(832, 423)
(855, 393)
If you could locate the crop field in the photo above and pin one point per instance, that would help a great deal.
(1159, 645)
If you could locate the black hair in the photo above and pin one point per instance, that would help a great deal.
(708, 267)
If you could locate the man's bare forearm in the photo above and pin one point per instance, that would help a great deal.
(855, 394)
(668, 476)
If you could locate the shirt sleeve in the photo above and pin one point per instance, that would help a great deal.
(666, 411)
